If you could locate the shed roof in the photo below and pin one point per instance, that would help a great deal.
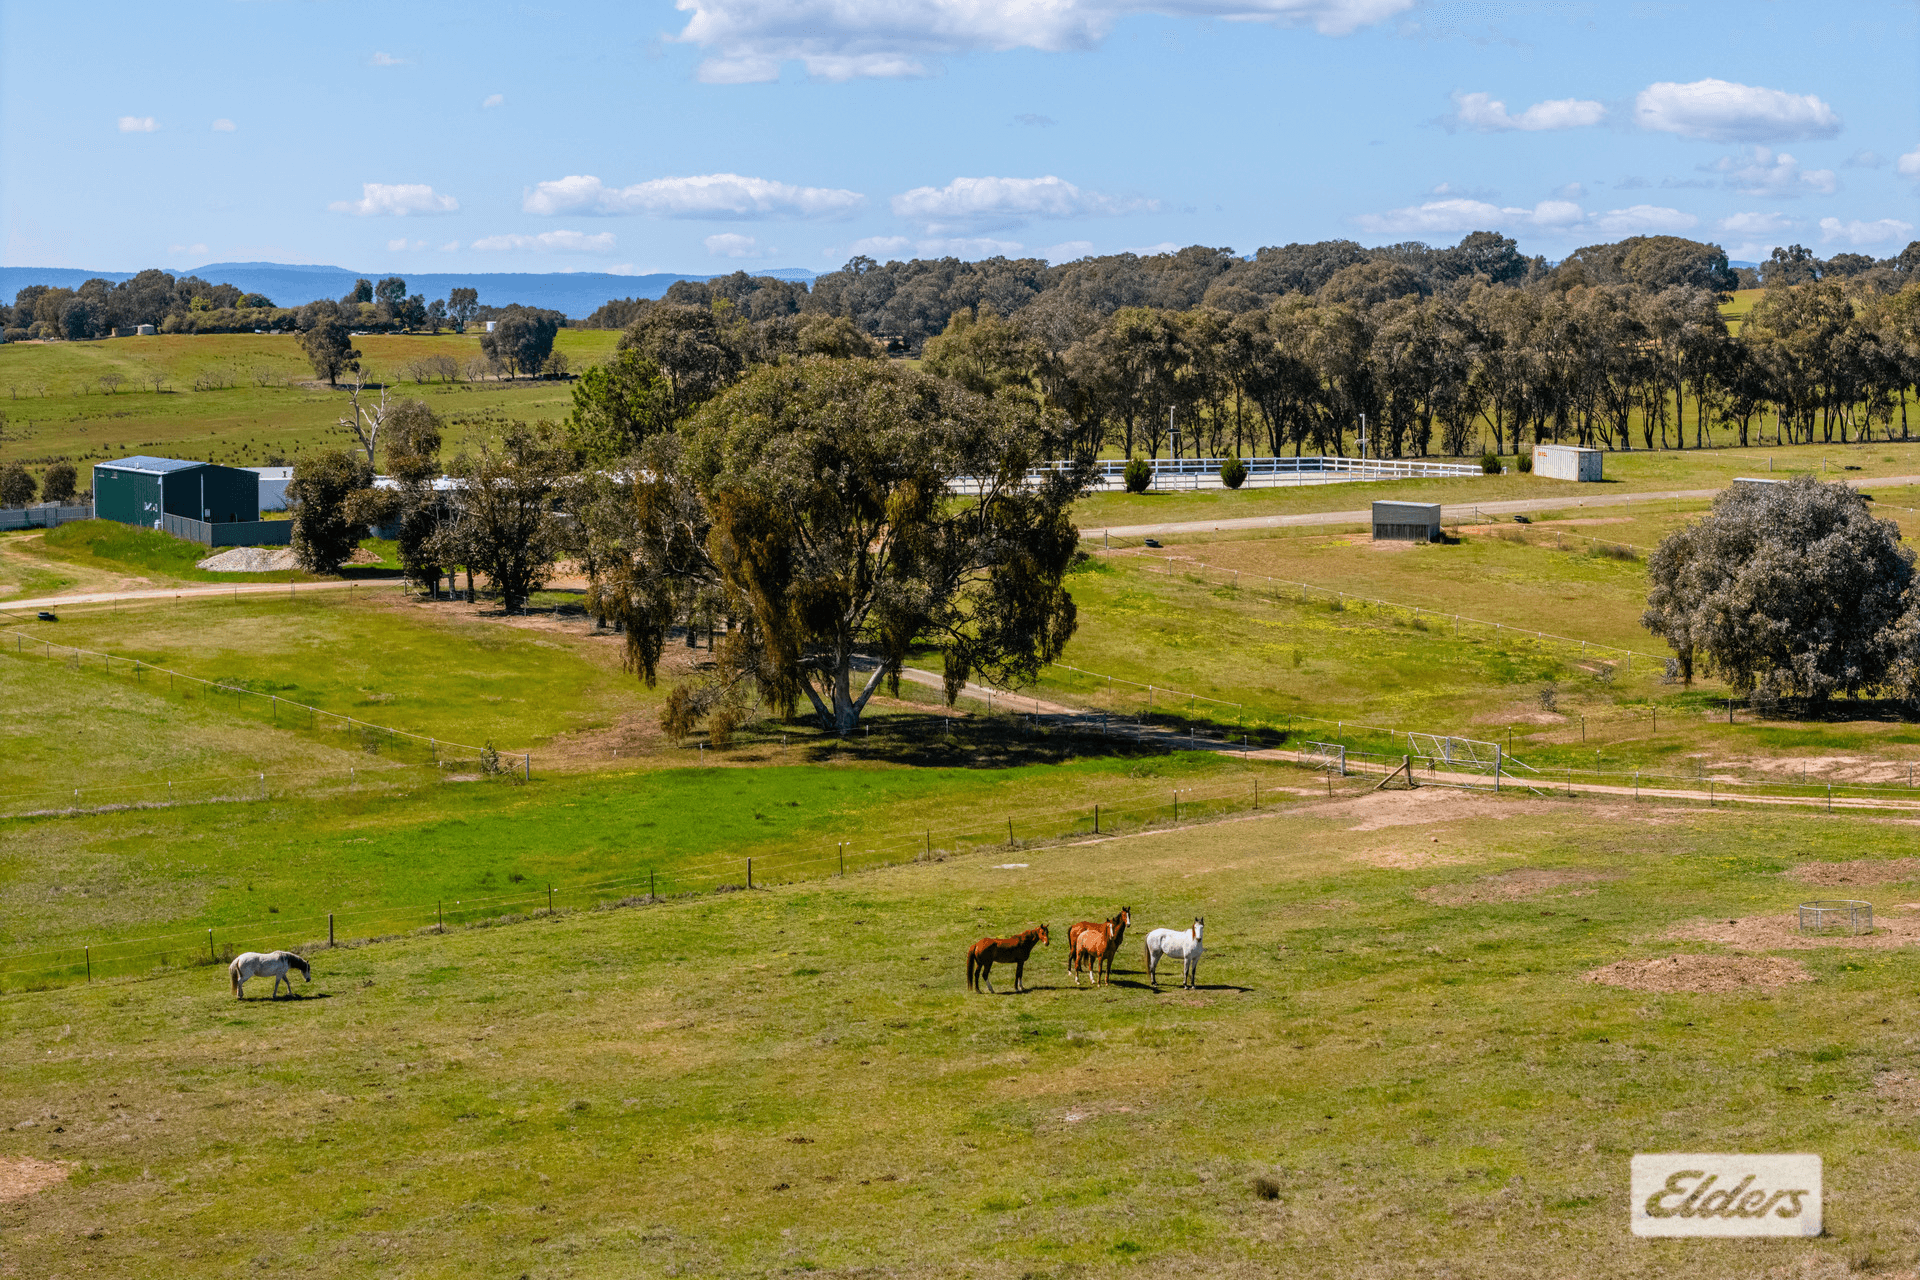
(156, 466)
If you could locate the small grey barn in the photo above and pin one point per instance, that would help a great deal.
(1406, 521)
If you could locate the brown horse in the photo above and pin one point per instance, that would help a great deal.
(1118, 924)
(984, 954)
(1095, 946)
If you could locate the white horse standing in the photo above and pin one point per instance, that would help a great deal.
(1181, 946)
(274, 964)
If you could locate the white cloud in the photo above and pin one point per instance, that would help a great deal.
(494, 100)
(985, 204)
(386, 60)
(395, 246)
(713, 195)
(1480, 111)
(138, 124)
(397, 199)
(1155, 250)
(1909, 164)
(1752, 236)
(747, 41)
(1068, 251)
(1861, 235)
(1758, 171)
(732, 245)
(450, 246)
(1033, 121)
(197, 250)
(223, 125)
(1863, 159)
(1722, 111)
(1447, 217)
(1754, 225)
(550, 242)
(880, 247)
(969, 247)
(1642, 220)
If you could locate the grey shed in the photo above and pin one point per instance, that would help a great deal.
(1406, 521)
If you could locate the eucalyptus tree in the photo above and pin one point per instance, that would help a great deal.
(1794, 586)
(815, 498)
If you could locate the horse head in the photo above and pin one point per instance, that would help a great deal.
(1199, 923)
(302, 964)
(1044, 939)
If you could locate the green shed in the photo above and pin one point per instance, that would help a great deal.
(141, 490)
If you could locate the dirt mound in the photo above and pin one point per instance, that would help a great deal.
(1706, 974)
(1782, 933)
(250, 560)
(1510, 886)
(1860, 871)
(24, 1176)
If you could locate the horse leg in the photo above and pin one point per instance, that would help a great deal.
(1019, 973)
(986, 976)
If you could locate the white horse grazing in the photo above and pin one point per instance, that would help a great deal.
(274, 964)
(1181, 946)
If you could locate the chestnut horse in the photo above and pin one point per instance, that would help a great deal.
(984, 954)
(1100, 949)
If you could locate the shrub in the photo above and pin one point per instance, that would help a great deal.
(1233, 472)
(1526, 464)
(1138, 475)
(1489, 464)
(1549, 696)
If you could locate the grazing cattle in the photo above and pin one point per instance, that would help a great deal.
(274, 964)
(984, 954)
(1183, 946)
(1115, 931)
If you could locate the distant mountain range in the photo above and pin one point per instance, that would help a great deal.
(576, 293)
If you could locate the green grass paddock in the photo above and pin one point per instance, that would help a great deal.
(794, 1080)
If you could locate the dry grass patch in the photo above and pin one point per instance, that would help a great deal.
(1859, 871)
(1511, 886)
(1708, 975)
(1782, 932)
(24, 1176)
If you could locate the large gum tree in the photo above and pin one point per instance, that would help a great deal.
(843, 512)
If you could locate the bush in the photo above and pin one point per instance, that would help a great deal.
(1526, 464)
(1138, 475)
(1489, 464)
(1233, 472)
(58, 483)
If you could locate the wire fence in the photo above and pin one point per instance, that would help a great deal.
(1176, 805)
(346, 730)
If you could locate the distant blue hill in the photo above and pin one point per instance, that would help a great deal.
(576, 293)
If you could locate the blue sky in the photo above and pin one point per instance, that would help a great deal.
(764, 133)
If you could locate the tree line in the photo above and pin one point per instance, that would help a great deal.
(1618, 346)
(189, 304)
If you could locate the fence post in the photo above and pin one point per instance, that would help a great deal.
(210, 954)
(550, 891)
(529, 766)
(1498, 756)
(1096, 819)
(329, 928)
(651, 897)
(1009, 831)
(749, 873)
(89, 964)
